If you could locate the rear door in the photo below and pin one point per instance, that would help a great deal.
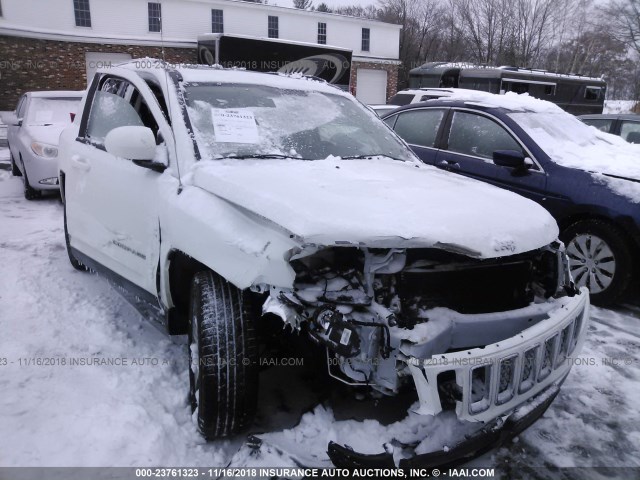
(468, 146)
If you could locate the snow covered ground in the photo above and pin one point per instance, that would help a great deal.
(137, 413)
(618, 106)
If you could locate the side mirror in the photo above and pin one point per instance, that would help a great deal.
(509, 158)
(12, 119)
(132, 143)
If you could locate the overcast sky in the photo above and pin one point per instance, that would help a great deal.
(330, 3)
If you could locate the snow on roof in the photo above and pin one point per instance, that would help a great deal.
(507, 68)
(204, 74)
(509, 101)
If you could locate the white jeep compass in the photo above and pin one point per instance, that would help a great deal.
(222, 196)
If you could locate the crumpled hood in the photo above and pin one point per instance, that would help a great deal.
(380, 203)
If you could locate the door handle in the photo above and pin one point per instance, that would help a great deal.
(449, 164)
(80, 163)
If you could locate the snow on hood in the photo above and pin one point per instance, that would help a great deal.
(49, 134)
(381, 203)
(573, 144)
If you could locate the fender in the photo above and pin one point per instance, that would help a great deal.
(244, 249)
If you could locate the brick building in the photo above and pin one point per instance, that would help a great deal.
(58, 44)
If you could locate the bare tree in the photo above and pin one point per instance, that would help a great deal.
(303, 4)
(624, 16)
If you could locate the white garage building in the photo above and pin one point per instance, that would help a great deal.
(59, 43)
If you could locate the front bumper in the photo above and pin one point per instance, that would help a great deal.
(492, 436)
(506, 386)
(42, 172)
(495, 379)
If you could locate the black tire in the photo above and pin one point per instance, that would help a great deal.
(75, 263)
(223, 373)
(15, 171)
(607, 273)
(30, 193)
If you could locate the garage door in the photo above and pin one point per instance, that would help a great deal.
(371, 86)
(96, 60)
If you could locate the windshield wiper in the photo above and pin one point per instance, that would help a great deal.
(267, 156)
(365, 157)
(261, 155)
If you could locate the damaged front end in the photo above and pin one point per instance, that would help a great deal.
(487, 338)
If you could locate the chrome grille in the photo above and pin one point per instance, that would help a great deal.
(480, 389)
(528, 376)
(499, 382)
(507, 379)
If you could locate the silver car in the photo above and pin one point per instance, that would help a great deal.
(32, 133)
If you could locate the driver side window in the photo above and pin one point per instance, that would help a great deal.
(479, 136)
(22, 106)
(117, 103)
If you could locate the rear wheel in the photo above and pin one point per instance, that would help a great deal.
(223, 369)
(599, 258)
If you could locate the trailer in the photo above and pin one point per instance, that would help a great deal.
(576, 94)
(332, 64)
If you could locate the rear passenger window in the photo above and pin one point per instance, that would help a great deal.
(401, 99)
(630, 131)
(479, 136)
(601, 124)
(419, 127)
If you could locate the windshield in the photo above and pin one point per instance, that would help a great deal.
(569, 142)
(235, 120)
(51, 111)
(552, 129)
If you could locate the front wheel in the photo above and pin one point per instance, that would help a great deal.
(15, 171)
(75, 263)
(223, 369)
(30, 193)
(599, 258)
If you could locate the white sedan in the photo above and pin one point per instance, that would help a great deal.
(33, 132)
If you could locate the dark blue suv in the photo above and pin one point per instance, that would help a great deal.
(589, 181)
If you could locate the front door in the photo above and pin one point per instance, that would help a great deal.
(112, 203)
(468, 150)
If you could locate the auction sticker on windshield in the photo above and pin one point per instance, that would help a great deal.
(234, 126)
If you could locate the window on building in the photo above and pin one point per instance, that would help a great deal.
(322, 33)
(366, 36)
(273, 27)
(155, 17)
(217, 21)
(82, 13)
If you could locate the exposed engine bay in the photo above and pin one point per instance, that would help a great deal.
(375, 309)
